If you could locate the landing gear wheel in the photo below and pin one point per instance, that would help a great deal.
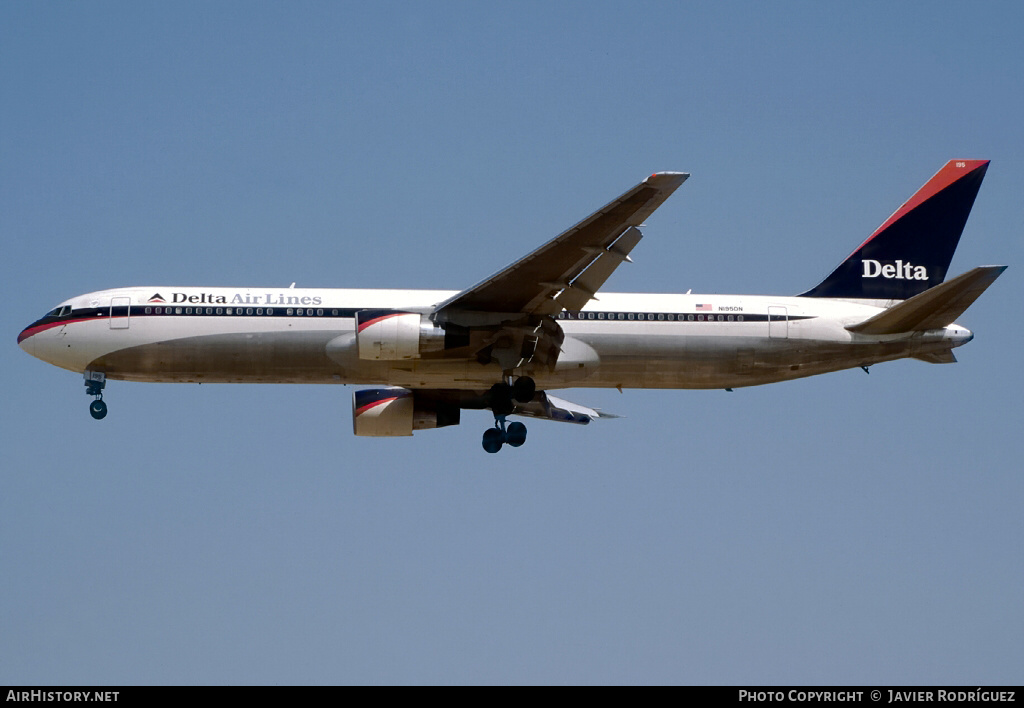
(515, 434)
(493, 440)
(95, 382)
(500, 397)
(524, 389)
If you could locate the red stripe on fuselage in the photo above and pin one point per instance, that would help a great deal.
(36, 329)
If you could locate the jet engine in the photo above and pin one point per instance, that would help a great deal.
(393, 411)
(390, 334)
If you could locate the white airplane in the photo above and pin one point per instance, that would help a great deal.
(538, 325)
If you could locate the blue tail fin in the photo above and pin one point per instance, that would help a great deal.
(911, 251)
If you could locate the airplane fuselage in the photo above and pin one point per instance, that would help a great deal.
(628, 340)
(540, 324)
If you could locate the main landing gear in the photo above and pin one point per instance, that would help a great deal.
(503, 398)
(95, 382)
(513, 433)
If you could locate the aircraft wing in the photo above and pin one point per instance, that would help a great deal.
(565, 272)
(544, 405)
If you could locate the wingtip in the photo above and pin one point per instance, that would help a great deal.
(667, 179)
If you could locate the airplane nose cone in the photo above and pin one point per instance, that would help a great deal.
(26, 342)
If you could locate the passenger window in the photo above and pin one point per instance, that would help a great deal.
(177, 310)
(290, 312)
(149, 310)
(739, 318)
(600, 315)
(220, 310)
(334, 313)
(270, 310)
(661, 317)
(259, 310)
(319, 313)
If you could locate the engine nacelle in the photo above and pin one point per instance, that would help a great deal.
(391, 334)
(392, 411)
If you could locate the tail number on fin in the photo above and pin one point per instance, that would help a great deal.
(893, 271)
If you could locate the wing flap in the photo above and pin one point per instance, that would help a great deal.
(582, 289)
(934, 308)
(549, 407)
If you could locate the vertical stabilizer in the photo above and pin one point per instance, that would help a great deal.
(911, 251)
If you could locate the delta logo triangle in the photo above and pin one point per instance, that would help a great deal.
(157, 297)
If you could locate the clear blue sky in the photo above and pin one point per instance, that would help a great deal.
(840, 529)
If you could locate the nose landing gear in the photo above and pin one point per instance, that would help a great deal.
(95, 382)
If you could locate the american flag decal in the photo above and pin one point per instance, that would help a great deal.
(703, 308)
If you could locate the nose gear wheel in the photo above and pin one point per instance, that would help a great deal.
(94, 384)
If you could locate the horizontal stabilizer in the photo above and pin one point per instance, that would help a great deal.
(946, 357)
(934, 308)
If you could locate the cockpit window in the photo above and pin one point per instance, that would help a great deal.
(62, 311)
